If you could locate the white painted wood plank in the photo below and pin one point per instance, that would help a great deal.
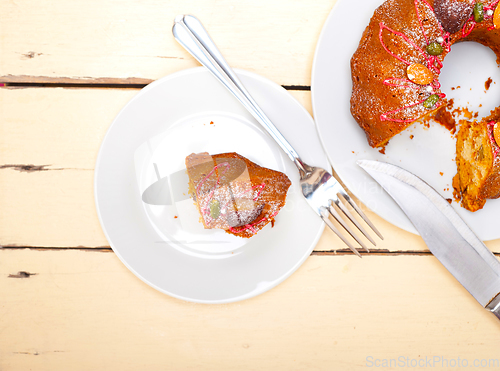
(88, 40)
(49, 208)
(60, 128)
(63, 129)
(85, 310)
(56, 208)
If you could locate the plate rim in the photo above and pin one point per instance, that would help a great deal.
(250, 294)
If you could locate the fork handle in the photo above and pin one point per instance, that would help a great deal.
(191, 34)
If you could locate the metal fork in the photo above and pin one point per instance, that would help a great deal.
(322, 191)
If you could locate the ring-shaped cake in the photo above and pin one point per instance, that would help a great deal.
(395, 78)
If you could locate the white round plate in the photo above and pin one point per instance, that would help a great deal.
(163, 244)
(431, 153)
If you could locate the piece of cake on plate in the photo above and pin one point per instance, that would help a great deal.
(235, 194)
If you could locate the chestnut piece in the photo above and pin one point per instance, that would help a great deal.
(453, 13)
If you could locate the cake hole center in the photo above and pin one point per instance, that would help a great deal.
(471, 77)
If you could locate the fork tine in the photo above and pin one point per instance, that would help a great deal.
(341, 221)
(360, 213)
(324, 216)
(347, 213)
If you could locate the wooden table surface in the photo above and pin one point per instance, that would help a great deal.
(68, 303)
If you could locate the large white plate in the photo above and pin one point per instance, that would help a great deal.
(431, 153)
(165, 122)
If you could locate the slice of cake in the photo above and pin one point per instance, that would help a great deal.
(235, 194)
(478, 163)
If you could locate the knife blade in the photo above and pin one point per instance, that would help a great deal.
(448, 237)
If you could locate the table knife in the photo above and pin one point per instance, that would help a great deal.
(448, 237)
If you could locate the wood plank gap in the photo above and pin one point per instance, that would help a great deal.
(35, 168)
(57, 248)
(340, 252)
(378, 252)
(315, 253)
(46, 81)
(18, 85)
(372, 252)
(297, 87)
(102, 83)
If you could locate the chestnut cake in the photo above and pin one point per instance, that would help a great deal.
(395, 79)
(478, 162)
(234, 194)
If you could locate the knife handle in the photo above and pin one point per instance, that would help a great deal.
(496, 312)
(494, 306)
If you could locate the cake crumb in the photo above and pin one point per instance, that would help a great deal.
(175, 216)
(412, 136)
(449, 200)
(441, 173)
(467, 113)
(211, 122)
(487, 83)
(445, 118)
(382, 150)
